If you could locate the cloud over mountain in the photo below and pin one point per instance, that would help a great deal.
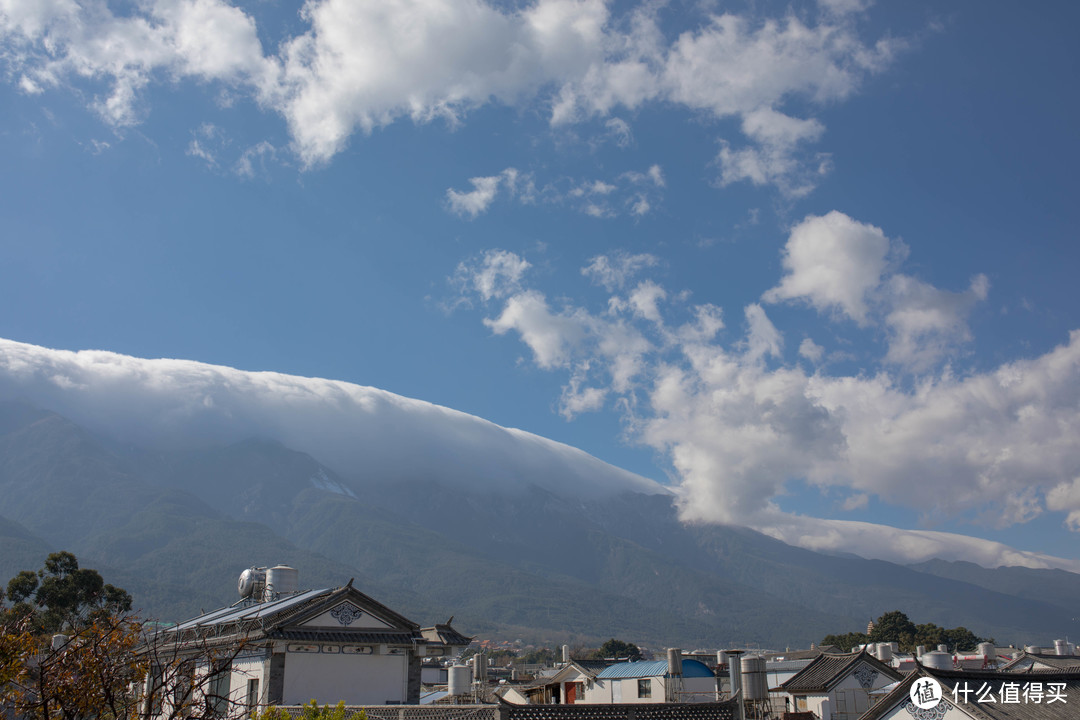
(358, 431)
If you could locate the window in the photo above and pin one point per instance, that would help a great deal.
(185, 679)
(252, 696)
(644, 688)
(218, 695)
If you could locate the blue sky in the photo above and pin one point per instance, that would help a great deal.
(811, 264)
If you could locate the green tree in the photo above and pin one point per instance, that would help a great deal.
(618, 649)
(894, 626)
(960, 639)
(501, 657)
(539, 656)
(846, 641)
(61, 593)
(930, 636)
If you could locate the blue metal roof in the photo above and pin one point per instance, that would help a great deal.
(654, 668)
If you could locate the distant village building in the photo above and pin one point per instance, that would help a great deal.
(285, 647)
(649, 681)
(607, 683)
(566, 685)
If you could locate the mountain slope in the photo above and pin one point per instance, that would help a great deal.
(175, 527)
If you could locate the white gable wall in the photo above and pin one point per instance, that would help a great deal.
(365, 620)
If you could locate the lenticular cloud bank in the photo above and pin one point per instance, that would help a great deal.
(361, 432)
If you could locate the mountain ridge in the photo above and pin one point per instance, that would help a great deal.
(176, 528)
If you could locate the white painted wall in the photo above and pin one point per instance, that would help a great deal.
(698, 690)
(625, 690)
(356, 679)
(243, 670)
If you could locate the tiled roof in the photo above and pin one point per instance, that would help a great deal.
(1026, 662)
(654, 668)
(982, 710)
(362, 637)
(445, 634)
(827, 670)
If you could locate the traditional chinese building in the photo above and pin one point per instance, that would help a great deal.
(331, 644)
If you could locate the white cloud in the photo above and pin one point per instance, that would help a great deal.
(361, 66)
(763, 338)
(837, 264)
(615, 270)
(619, 131)
(1065, 497)
(548, 334)
(926, 323)
(594, 187)
(811, 350)
(770, 127)
(645, 301)
(833, 263)
(995, 448)
(639, 205)
(845, 7)
(905, 546)
(595, 197)
(196, 149)
(208, 40)
(577, 397)
(365, 65)
(200, 146)
(856, 502)
(495, 274)
(657, 176)
(256, 155)
(477, 200)
(776, 158)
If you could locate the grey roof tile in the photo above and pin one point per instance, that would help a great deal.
(828, 669)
